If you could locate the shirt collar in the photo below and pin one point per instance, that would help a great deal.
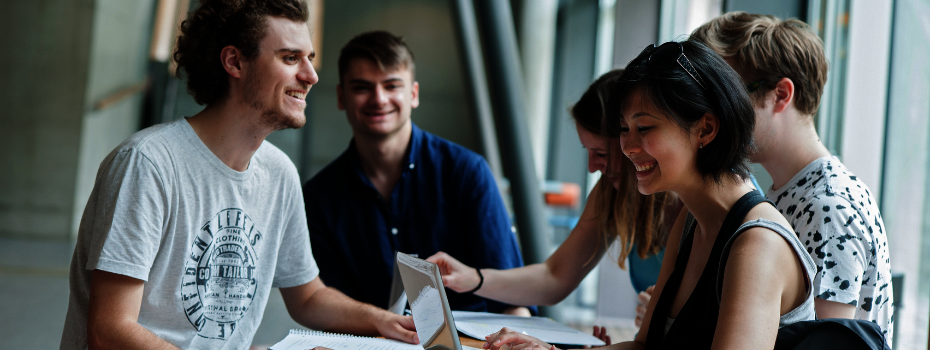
(411, 159)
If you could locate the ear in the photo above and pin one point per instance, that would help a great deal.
(784, 94)
(232, 59)
(415, 95)
(707, 129)
(339, 103)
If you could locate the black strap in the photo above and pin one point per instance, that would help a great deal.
(480, 282)
(663, 307)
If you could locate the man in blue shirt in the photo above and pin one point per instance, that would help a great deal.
(400, 189)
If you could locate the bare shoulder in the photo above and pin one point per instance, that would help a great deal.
(761, 243)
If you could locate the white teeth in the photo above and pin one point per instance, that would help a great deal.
(645, 167)
(296, 94)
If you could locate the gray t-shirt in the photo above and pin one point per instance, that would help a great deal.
(209, 242)
(836, 217)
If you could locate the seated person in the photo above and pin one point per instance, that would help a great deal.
(615, 211)
(618, 211)
(733, 271)
(832, 211)
(398, 188)
(190, 224)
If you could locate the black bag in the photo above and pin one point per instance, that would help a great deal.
(831, 333)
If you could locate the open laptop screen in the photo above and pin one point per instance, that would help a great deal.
(427, 298)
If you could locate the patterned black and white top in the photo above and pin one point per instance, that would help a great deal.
(837, 218)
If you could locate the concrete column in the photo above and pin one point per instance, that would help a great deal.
(537, 54)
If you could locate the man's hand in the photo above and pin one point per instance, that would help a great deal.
(643, 299)
(316, 306)
(398, 327)
(455, 275)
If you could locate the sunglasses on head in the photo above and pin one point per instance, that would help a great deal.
(753, 86)
(663, 53)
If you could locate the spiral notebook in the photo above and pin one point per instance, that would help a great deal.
(432, 317)
(299, 339)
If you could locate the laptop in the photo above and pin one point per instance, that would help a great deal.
(426, 296)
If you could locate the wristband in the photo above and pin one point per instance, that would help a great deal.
(480, 282)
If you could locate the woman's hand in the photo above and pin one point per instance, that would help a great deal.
(508, 339)
(455, 275)
(643, 298)
(600, 333)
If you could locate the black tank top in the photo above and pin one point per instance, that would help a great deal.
(696, 322)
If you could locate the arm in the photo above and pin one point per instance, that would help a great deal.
(506, 336)
(514, 340)
(837, 237)
(517, 311)
(545, 283)
(319, 307)
(832, 309)
(763, 280)
(113, 314)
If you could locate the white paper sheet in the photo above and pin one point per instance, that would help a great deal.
(302, 339)
(427, 313)
(479, 324)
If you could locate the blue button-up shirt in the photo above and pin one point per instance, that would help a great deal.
(446, 200)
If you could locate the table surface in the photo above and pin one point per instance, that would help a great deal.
(469, 341)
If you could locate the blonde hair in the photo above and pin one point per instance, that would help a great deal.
(763, 48)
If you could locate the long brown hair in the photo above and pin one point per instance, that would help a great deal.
(622, 213)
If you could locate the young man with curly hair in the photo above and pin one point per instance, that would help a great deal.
(191, 223)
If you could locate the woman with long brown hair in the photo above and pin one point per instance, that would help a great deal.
(615, 211)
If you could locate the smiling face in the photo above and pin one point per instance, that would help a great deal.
(602, 153)
(663, 154)
(277, 80)
(377, 103)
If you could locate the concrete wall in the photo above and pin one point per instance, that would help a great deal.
(119, 54)
(44, 67)
(60, 57)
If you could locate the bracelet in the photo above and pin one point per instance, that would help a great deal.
(480, 282)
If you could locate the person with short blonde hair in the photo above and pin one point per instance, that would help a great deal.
(832, 211)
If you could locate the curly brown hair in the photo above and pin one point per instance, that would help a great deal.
(216, 24)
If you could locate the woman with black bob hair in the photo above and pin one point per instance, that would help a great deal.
(734, 272)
